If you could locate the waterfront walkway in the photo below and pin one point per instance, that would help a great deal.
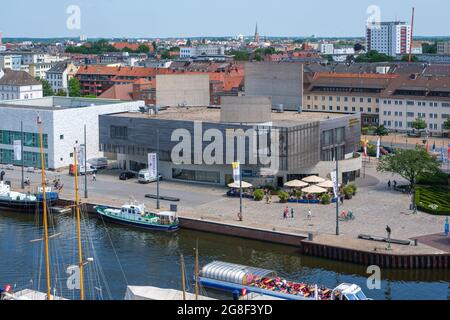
(374, 207)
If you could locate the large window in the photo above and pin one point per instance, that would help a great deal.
(119, 132)
(30, 159)
(29, 139)
(196, 175)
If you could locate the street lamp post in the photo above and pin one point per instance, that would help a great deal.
(158, 206)
(338, 194)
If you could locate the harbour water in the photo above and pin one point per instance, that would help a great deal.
(134, 257)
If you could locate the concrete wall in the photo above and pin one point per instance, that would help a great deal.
(282, 81)
(176, 89)
(246, 109)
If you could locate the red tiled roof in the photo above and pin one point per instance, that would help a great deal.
(118, 91)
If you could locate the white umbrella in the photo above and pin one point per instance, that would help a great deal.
(314, 189)
(295, 184)
(326, 184)
(235, 185)
(313, 179)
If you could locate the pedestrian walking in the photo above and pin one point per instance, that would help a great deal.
(309, 214)
(292, 213)
(395, 184)
(94, 178)
(389, 184)
(285, 213)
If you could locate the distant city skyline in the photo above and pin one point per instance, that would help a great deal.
(197, 18)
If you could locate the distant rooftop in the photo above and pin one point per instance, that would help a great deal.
(56, 103)
(212, 115)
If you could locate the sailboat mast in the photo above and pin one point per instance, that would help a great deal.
(77, 211)
(44, 194)
(183, 283)
(196, 271)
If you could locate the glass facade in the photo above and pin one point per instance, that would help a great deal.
(30, 159)
(29, 139)
(196, 175)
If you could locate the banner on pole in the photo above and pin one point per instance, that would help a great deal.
(236, 172)
(17, 150)
(378, 148)
(335, 184)
(152, 164)
(80, 156)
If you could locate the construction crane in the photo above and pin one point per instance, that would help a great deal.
(411, 40)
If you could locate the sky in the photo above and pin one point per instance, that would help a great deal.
(196, 18)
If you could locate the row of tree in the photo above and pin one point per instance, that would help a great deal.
(74, 88)
(103, 46)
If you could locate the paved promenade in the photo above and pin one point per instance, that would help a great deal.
(374, 207)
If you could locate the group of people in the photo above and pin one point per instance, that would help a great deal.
(288, 287)
(291, 211)
(390, 184)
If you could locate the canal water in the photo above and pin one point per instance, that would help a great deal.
(124, 256)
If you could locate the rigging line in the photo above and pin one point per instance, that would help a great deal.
(114, 249)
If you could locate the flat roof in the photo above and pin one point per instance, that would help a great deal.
(57, 103)
(212, 115)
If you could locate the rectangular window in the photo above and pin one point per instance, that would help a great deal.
(120, 133)
(196, 175)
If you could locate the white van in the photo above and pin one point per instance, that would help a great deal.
(145, 177)
(99, 163)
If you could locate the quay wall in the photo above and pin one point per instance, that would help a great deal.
(309, 248)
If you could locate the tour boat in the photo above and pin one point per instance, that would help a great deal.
(136, 216)
(240, 279)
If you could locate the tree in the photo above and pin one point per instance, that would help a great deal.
(414, 58)
(165, 54)
(143, 49)
(410, 164)
(447, 124)
(240, 55)
(381, 131)
(429, 48)
(419, 124)
(47, 90)
(61, 93)
(374, 56)
(155, 46)
(189, 43)
(74, 88)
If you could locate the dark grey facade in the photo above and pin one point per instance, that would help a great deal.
(300, 145)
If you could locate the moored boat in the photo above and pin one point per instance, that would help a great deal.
(136, 216)
(24, 202)
(242, 279)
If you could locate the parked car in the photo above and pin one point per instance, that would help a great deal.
(98, 163)
(126, 175)
(146, 177)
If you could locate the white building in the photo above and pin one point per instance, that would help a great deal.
(390, 38)
(63, 124)
(60, 74)
(18, 85)
(202, 50)
(326, 48)
(10, 61)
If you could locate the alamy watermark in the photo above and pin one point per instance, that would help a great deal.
(374, 18)
(374, 280)
(73, 22)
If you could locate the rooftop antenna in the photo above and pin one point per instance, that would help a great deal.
(411, 40)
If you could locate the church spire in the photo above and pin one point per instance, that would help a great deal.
(257, 37)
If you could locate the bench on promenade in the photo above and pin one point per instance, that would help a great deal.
(383, 239)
